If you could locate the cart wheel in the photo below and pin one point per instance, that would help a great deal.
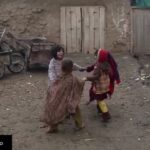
(2, 70)
(17, 63)
(28, 68)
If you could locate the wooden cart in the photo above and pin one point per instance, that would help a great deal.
(39, 53)
(9, 58)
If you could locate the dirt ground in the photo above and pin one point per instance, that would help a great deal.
(21, 103)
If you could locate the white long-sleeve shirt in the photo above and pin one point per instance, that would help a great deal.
(55, 70)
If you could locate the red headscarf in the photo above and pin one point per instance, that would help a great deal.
(104, 55)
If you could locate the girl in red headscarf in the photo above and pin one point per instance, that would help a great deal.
(105, 74)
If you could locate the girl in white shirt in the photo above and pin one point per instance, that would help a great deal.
(55, 64)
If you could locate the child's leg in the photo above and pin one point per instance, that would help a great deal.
(99, 111)
(78, 118)
(105, 113)
(44, 126)
(53, 129)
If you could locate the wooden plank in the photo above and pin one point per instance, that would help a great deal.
(141, 31)
(96, 28)
(91, 40)
(78, 15)
(85, 30)
(68, 29)
(132, 32)
(146, 32)
(63, 27)
(135, 31)
(102, 27)
(139, 27)
(73, 30)
(137, 21)
(142, 25)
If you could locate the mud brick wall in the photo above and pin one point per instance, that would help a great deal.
(42, 18)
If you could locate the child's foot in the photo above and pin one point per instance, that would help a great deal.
(106, 117)
(98, 110)
(52, 130)
(44, 126)
(80, 128)
(106, 120)
(87, 103)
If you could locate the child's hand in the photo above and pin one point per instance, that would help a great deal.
(82, 69)
(56, 82)
(87, 103)
(84, 79)
(118, 82)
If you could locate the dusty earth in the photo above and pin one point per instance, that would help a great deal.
(21, 103)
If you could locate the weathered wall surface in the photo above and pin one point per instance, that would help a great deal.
(42, 18)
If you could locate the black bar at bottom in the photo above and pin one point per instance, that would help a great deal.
(5, 142)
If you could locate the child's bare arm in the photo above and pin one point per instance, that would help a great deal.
(95, 75)
(90, 68)
(77, 67)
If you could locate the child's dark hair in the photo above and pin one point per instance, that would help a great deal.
(67, 66)
(95, 52)
(55, 49)
(105, 67)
